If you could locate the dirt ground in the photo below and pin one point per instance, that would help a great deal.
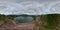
(20, 26)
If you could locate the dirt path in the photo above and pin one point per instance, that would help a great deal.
(24, 26)
(21, 26)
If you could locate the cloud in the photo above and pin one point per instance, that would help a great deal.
(28, 7)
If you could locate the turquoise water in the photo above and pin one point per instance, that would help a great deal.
(23, 19)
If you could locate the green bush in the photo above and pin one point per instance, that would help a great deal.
(51, 21)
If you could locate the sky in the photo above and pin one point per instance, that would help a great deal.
(30, 7)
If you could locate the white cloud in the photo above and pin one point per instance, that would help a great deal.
(29, 7)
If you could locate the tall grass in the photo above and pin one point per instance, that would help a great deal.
(49, 22)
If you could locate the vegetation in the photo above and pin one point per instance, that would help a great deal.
(43, 22)
(49, 22)
(10, 18)
(6, 19)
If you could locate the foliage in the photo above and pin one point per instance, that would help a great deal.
(50, 21)
(6, 19)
